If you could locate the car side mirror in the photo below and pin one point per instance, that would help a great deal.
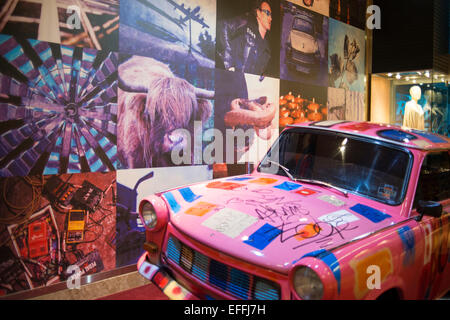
(429, 208)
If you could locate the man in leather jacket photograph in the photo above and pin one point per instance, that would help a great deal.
(242, 43)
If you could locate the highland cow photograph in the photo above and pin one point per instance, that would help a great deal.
(161, 116)
(166, 81)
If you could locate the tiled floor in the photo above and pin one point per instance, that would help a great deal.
(128, 286)
(121, 287)
(147, 292)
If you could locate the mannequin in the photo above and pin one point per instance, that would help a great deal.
(414, 115)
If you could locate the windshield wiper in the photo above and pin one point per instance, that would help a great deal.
(286, 170)
(324, 184)
(311, 181)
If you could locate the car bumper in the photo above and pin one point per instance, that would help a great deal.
(305, 63)
(159, 277)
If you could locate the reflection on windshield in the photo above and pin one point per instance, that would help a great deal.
(371, 169)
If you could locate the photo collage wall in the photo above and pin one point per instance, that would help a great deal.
(96, 96)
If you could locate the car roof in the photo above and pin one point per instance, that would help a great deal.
(416, 139)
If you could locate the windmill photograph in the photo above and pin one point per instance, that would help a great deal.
(58, 108)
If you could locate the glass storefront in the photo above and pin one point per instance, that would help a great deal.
(415, 99)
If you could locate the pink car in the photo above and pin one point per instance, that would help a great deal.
(335, 210)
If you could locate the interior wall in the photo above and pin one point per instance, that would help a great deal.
(380, 100)
(104, 102)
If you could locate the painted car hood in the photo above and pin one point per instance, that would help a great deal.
(303, 42)
(270, 221)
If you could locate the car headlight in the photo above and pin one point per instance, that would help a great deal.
(307, 284)
(149, 215)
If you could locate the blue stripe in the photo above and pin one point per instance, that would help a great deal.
(262, 237)
(173, 250)
(218, 274)
(407, 236)
(188, 195)
(433, 138)
(372, 214)
(265, 291)
(200, 266)
(239, 179)
(239, 283)
(172, 202)
(288, 186)
(330, 260)
(13, 54)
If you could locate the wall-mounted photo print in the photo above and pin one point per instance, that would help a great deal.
(319, 6)
(346, 105)
(161, 116)
(53, 226)
(304, 46)
(179, 32)
(264, 136)
(245, 115)
(248, 36)
(351, 12)
(301, 103)
(171, 44)
(58, 110)
(82, 23)
(347, 54)
(132, 187)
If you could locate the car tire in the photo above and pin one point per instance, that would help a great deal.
(390, 295)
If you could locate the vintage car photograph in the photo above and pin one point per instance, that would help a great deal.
(335, 210)
(303, 49)
(304, 46)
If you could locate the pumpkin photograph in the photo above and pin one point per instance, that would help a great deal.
(301, 103)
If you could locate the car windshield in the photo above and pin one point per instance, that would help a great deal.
(303, 25)
(345, 162)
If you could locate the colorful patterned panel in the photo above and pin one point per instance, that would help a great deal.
(59, 111)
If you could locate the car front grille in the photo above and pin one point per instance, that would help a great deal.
(230, 280)
(306, 58)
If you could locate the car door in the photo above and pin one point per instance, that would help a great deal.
(434, 185)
